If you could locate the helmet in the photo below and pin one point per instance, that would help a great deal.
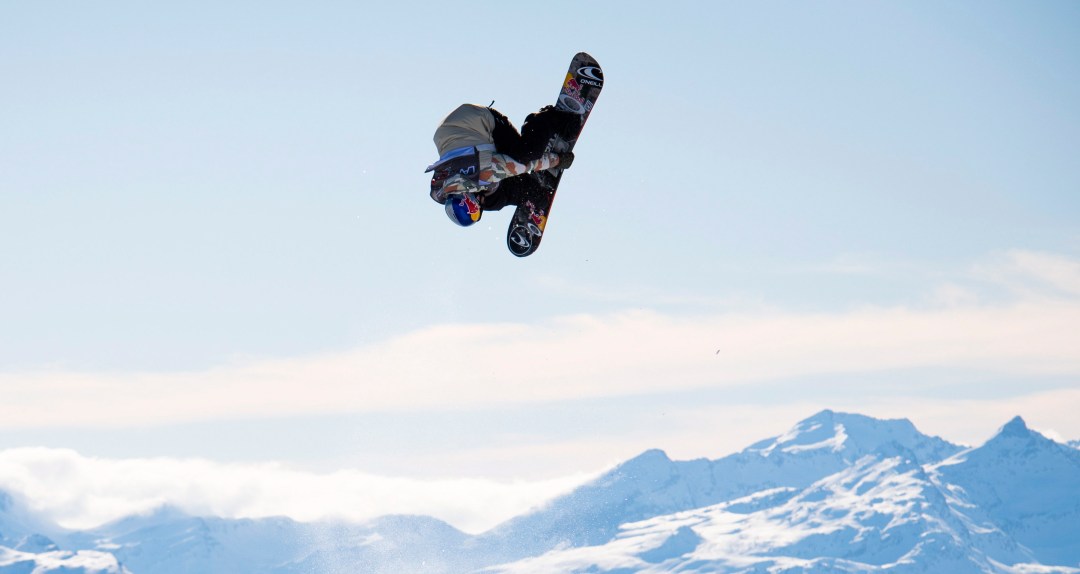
(463, 208)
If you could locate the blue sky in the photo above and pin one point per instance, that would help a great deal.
(216, 242)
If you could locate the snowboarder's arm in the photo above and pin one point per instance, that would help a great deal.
(504, 166)
(456, 184)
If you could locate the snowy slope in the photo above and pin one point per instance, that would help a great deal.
(20, 529)
(1026, 484)
(168, 541)
(882, 514)
(388, 545)
(27, 546)
(58, 562)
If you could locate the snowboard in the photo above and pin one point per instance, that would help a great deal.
(580, 89)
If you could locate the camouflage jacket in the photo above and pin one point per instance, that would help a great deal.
(501, 167)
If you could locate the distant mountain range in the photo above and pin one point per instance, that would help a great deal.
(837, 493)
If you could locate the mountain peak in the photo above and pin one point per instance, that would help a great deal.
(1017, 436)
(653, 454)
(653, 462)
(1015, 428)
(648, 459)
(851, 436)
(156, 516)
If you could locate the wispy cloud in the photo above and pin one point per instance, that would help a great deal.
(585, 356)
(1034, 274)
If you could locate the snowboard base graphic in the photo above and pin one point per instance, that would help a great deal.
(580, 89)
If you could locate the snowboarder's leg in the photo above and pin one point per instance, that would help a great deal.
(516, 191)
(506, 137)
(541, 126)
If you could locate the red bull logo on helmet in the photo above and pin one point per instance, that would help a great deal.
(463, 209)
(472, 207)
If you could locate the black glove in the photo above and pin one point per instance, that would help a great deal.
(566, 159)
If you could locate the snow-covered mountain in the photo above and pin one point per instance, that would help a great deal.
(879, 514)
(171, 542)
(20, 528)
(837, 493)
(1026, 484)
(653, 485)
(1007, 506)
(25, 548)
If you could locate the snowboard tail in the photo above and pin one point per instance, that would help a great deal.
(578, 95)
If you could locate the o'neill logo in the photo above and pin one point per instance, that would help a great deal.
(591, 75)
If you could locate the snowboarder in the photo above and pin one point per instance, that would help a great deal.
(486, 164)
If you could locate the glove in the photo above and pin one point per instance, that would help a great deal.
(566, 159)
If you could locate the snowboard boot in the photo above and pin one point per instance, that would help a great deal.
(540, 127)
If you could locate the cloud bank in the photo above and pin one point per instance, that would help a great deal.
(1032, 333)
(80, 492)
